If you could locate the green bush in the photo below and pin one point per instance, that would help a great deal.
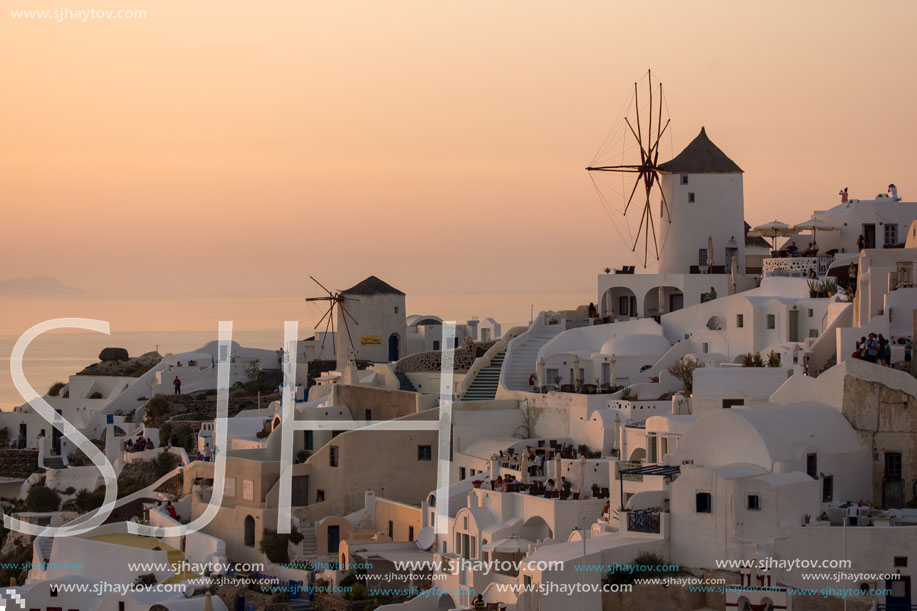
(274, 545)
(357, 592)
(154, 411)
(646, 566)
(163, 463)
(55, 389)
(42, 499)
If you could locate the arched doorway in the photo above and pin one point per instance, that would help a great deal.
(249, 535)
(393, 347)
(662, 300)
(619, 303)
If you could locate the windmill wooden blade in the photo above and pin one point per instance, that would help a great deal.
(327, 312)
(353, 349)
(321, 285)
(647, 169)
(330, 322)
(347, 313)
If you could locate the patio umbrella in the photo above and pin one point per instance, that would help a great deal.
(709, 250)
(524, 467)
(582, 476)
(773, 230)
(814, 225)
(734, 271)
(511, 545)
(208, 602)
(575, 368)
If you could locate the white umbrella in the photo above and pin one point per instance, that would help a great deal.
(576, 363)
(511, 545)
(814, 225)
(524, 467)
(734, 271)
(709, 251)
(773, 230)
(582, 476)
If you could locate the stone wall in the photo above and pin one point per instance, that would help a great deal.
(432, 361)
(886, 420)
(18, 463)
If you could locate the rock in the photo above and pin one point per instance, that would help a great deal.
(114, 354)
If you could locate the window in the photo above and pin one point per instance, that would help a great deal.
(900, 562)
(811, 312)
(391, 529)
(309, 440)
(702, 256)
(690, 198)
(827, 489)
(891, 234)
(396, 309)
(771, 321)
(436, 344)
(333, 456)
(753, 502)
(893, 465)
(684, 179)
(705, 347)
(319, 496)
(740, 320)
(410, 533)
(461, 473)
(624, 306)
(53, 591)
(704, 502)
(812, 465)
(729, 403)
(424, 453)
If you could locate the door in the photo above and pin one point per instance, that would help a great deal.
(793, 331)
(893, 493)
(869, 234)
(676, 301)
(334, 539)
(299, 495)
(900, 597)
(55, 438)
(393, 347)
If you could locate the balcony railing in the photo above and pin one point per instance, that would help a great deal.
(643, 521)
(797, 266)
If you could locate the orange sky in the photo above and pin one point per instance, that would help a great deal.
(234, 148)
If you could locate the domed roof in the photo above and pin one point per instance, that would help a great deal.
(636, 344)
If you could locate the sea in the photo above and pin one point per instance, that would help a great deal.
(176, 326)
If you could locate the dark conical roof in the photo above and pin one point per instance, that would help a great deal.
(372, 286)
(701, 157)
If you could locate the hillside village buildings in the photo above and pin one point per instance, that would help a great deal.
(712, 407)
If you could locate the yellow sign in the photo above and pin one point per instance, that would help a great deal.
(370, 340)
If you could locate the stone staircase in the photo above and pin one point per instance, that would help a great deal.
(300, 604)
(44, 545)
(485, 383)
(405, 382)
(523, 352)
(54, 462)
(309, 544)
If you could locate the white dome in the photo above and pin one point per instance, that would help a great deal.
(636, 344)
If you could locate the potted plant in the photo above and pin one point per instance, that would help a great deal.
(607, 270)
(806, 519)
(813, 288)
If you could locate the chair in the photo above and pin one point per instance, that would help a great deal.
(576, 496)
(694, 269)
(564, 495)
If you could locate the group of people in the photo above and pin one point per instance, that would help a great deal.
(507, 484)
(167, 509)
(536, 461)
(876, 349)
(140, 445)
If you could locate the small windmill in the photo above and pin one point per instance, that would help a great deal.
(648, 170)
(335, 299)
